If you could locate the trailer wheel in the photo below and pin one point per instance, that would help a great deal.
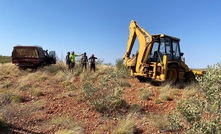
(172, 74)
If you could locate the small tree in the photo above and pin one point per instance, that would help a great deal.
(202, 111)
(210, 85)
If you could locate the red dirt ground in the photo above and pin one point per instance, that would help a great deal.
(91, 120)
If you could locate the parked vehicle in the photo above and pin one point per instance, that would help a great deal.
(32, 57)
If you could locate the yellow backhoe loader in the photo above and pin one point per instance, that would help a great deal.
(158, 57)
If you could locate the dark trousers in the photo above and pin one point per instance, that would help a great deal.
(92, 67)
(72, 64)
(84, 65)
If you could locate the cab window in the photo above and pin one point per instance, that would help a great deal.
(169, 51)
(176, 50)
(155, 48)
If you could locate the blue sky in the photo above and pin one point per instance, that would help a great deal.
(100, 27)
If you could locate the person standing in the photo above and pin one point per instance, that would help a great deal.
(92, 62)
(68, 60)
(84, 61)
(72, 61)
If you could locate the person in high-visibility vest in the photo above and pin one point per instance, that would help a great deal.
(72, 60)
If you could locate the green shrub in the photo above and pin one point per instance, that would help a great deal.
(103, 93)
(166, 122)
(202, 110)
(210, 85)
(191, 109)
(211, 88)
(175, 121)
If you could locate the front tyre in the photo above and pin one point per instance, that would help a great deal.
(190, 77)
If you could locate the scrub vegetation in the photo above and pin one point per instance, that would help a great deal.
(53, 100)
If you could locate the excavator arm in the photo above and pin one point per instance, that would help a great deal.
(145, 39)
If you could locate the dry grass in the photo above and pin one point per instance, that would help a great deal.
(145, 94)
(66, 125)
(69, 86)
(6, 84)
(191, 90)
(167, 93)
(10, 97)
(160, 121)
(44, 88)
(37, 92)
(126, 126)
(14, 110)
(74, 130)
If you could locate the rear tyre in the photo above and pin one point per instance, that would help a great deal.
(172, 74)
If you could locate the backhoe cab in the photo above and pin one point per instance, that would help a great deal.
(158, 57)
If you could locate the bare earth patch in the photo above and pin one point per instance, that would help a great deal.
(59, 110)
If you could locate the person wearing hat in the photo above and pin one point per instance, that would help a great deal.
(92, 62)
(68, 60)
